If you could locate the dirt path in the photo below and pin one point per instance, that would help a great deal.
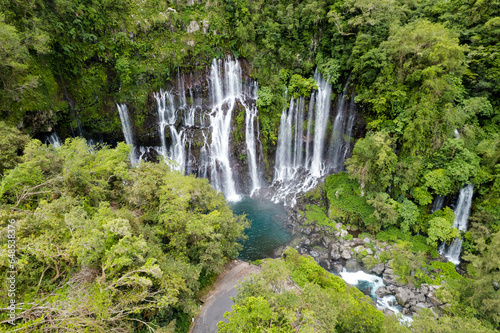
(219, 301)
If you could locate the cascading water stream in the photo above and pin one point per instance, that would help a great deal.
(321, 121)
(462, 211)
(300, 157)
(283, 165)
(223, 99)
(127, 130)
(342, 130)
(438, 203)
(54, 140)
(167, 115)
(250, 140)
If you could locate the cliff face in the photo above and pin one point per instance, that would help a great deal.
(207, 123)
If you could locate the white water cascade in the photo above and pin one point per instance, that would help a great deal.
(289, 150)
(361, 278)
(127, 130)
(438, 203)
(342, 130)
(462, 211)
(251, 140)
(54, 140)
(167, 114)
(301, 156)
(225, 82)
(321, 121)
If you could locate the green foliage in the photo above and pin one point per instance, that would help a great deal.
(426, 321)
(408, 270)
(267, 302)
(441, 230)
(385, 209)
(317, 215)
(300, 86)
(408, 213)
(373, 161)
(481, 293)
(346, 202)
(114, 243)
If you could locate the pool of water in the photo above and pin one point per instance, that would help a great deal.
(266, 232)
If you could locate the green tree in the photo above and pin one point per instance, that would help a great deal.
(373, 161)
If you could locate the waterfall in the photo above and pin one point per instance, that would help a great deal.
(127, 130)
(167, 115)
(283, 169)
(438, 203)
(224, 99)
(250, 120)
(462, 211)
(309, 128)
(322, 111)
(54, 140)
(196, 132)
(342, 131)
(300, 153)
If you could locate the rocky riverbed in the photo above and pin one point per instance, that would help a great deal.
(336, 250)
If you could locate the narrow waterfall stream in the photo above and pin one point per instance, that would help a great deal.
(251, 129)
(438, 203)
(128, 132)
(462, 211)
(54, 140)
(322, 97)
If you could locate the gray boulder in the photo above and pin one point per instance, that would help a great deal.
(382, 292)
(389, 277)
(338, 267)
(346, 255)
(352, 265)
(378, 269)
(433, 300)
(403, 296)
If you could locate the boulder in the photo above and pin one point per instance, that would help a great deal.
(335, 253)
(338, 267)
(367, 291)
(358, 248)
(403, 296)
(388, 276)
(366, 240)
(378, 269)
(420, 298)
(352, 265)
(343, 233)
(421, 305)
(325, 241)
(382, 292)
(424, 289)
(433, 300)
(346, 255)
(314, 254)
(326, 264)
(307, 231)
(369, 251)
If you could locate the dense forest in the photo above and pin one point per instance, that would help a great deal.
(104, 244)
